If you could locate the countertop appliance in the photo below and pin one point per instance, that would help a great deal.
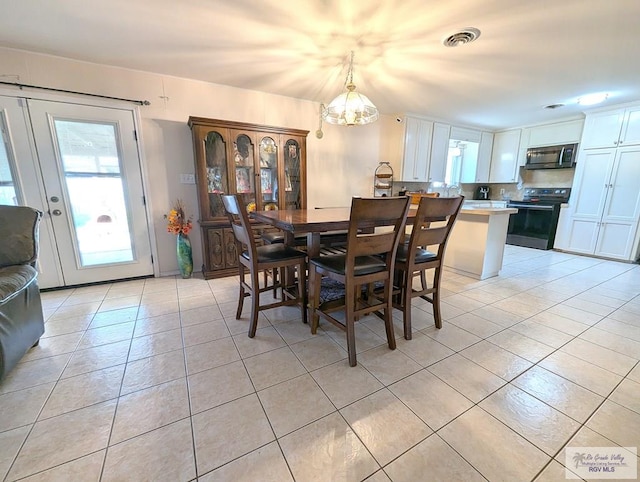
(552, 157)
(482, 193)
(535, 223)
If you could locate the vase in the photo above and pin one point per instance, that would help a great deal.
(185, 261)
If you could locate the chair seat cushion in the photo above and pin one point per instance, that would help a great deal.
(363, 264)
(13, 279)
(275, 252)
(422, 255)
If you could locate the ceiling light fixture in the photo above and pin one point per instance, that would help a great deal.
(351, 108)
(593, 99)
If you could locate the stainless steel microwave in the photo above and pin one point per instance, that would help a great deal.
(552, 157)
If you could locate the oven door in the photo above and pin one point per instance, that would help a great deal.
(533, 226)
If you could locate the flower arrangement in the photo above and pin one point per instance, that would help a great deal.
(177, 222)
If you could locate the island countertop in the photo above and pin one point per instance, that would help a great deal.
(486, 211)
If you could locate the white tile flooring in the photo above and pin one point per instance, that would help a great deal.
(156, 380)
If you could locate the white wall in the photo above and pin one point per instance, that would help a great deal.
(339, 165)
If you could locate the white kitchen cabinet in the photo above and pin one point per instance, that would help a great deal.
(417, 149)
(475, 168)
(605, 203)
(504, 156)
(439, 152)
(555, 134)
(484, 157)
(616, 128)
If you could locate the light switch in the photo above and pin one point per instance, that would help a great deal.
(187, 178)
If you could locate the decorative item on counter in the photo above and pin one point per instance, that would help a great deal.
(179, 224)
(383, 180)
(251, 207)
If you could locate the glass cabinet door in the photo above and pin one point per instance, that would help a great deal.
(292, 174)
(217, 180)
(269, 187)
(244, 166)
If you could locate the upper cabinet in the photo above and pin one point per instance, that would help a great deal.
(504, 156)
(439, 154)
(555, 134)
(616, 128)
(417, 149)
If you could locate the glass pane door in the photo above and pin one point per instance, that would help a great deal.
(268, 174)
(292, 175)
(8, 192)
(94, 187)
(88, 158)
(216, 158)
(244, 163)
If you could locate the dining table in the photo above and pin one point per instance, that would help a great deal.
(312, 222)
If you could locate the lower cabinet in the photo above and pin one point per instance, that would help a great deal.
(221, 255)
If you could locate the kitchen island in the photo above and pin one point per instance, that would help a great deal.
(476, 245)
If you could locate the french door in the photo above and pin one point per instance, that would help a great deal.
(85, 163)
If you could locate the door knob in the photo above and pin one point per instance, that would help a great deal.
(56, 212)
(55, 199)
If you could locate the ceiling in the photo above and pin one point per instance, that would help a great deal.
(530, 53)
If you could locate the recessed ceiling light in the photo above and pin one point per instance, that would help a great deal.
(464, 36)
(592, 99)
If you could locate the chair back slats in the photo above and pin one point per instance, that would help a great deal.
(433, 222)
(375, 228)
(240, 223)
(430, 235)
(388, 214)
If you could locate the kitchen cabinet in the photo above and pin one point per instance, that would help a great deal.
(439, 152)
(266, 165)
(605, 203)
(475, 168)
(504, 157)
(615, 128)
(417, 149)
(556, 134)
(484, 157)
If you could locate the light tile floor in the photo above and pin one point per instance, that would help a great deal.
(155, 380)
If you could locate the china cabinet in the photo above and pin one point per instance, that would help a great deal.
(266, 165)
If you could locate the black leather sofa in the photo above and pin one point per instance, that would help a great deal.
(21, 317)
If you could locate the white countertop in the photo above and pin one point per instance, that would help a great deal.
(486, 211)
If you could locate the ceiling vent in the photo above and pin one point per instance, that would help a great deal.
(464, 36)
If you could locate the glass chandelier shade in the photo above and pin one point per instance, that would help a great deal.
(351, 108)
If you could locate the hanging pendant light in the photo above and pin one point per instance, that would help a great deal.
(351, 108)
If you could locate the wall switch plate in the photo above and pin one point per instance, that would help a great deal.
(501, 191)
(187, 178)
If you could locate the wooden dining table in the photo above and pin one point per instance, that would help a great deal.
(311, 222)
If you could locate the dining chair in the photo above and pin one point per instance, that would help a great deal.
(368, 259)
(434, 220)
(258, 259)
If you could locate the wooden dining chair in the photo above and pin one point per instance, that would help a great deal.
(425, 250)
(369, 259)
(258, 259)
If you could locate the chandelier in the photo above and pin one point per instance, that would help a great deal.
(351, 108)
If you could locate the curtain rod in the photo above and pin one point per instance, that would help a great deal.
(22, 86)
